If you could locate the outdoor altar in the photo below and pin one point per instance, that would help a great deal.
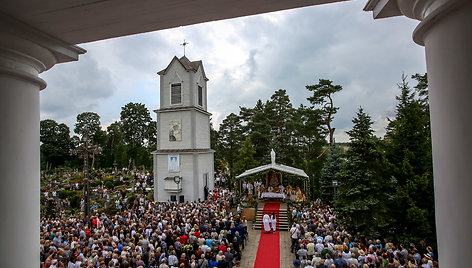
(273, 187)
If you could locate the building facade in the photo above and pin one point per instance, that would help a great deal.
(183, 161)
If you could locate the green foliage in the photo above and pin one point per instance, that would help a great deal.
(255, 123)
(230, 139)
(363, 197)
(95, 183)
(135, 124)
(246, 157)
(331, 169)
(297, 135)
(55, 144)
(322, 98)
(409, 154)
(109, 184)
(75, 202)
(116, 182)
(65, 194)
(87, 121)
(139, 135)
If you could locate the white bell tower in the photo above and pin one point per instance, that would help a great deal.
(183, 161)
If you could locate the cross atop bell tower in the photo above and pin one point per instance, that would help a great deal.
(184, 44)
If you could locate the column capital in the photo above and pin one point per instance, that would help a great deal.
(426, 11)
(26, 52)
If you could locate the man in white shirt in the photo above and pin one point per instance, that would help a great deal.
(294, 235)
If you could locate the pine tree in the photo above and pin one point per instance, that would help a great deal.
(245, 159)
(330, 173)
(256, 124)
(363, 196)
(322, 97)
(409, 154)
(229, 136)
(279, 112)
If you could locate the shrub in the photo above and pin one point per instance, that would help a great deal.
(75, 202)
(63, 194)
(95, 183)
(109, 184)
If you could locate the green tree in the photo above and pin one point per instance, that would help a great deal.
(330, 173)
(214, 144)
(255, 123)
(246, 157)
(138, 133)
(114, 145)
(307, 140)
(230, 139)
(89, 121)
(279, 113)
(55, 143)
(363, 197)
(136, 123)
(409, 154)
(322, 97)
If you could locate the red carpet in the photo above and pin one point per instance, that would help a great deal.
(268, 253)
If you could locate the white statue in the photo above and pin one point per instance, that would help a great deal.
(272, 156)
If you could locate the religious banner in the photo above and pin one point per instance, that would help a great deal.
(174, 163)
(175, 130)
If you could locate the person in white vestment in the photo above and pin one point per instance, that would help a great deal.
(273, 221)
(266, 220)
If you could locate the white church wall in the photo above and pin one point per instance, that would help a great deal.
(187, 165)
(166, 120)
(205, 167)
(202, 131)
(175, 74)
(198, 80)
(162, 172)
(159, 193)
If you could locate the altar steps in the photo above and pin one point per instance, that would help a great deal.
(282, 219)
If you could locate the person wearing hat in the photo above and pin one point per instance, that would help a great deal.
(361, 257)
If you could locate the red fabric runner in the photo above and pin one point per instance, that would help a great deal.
(268, 253)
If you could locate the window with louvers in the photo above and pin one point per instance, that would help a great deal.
(176, 94)
(200, 96)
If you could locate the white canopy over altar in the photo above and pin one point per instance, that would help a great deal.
(274, 166)
(273, 188)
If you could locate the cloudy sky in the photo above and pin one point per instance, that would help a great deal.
(247, 59)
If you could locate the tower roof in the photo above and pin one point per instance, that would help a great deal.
(187, 64)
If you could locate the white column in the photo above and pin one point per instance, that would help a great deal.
(445, 32)
(447, 38)
(24, 53)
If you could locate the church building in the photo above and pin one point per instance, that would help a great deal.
(183, 161)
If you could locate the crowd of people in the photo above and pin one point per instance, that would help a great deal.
(144, 233)
(318, 241)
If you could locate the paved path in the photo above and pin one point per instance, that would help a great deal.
(250, 252)
(286, 257)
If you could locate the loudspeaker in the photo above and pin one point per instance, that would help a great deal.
(173, 198)
(181, 199)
